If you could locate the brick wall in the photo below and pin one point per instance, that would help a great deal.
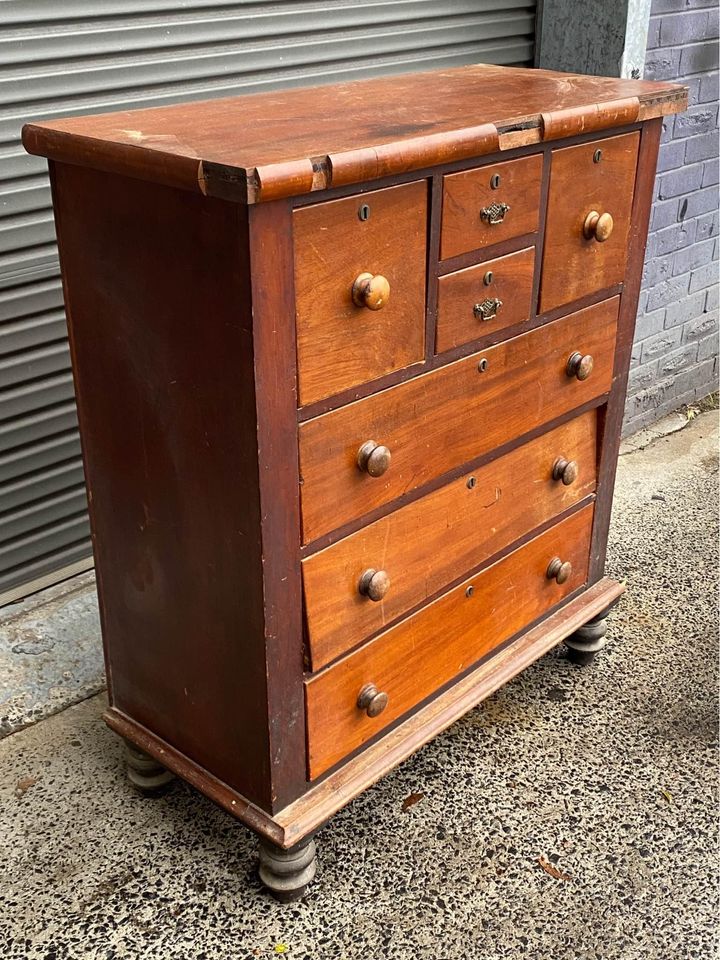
(675, 357)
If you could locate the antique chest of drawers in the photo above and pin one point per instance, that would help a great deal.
(350, 366)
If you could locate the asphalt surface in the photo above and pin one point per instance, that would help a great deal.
(572, 816)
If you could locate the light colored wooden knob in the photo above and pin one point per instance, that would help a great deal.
(371, 291)
(558, 570)
(372, 700)
(373, 458)
(565, 470)
(374, 584)
(598, 226)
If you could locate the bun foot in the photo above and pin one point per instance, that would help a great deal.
(144, 772)
(587, 641)
(287, 873)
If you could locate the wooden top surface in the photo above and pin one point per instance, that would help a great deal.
(290, 142)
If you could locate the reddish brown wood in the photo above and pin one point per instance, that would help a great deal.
(467, 194)
(574, 266)
(566, 122)
(613, 418)
(265, 146)
(429, 543)
(424, 652)
(508, 279)
(445, 418)
(339, 343)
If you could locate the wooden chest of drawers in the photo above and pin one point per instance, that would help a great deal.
(350, 367)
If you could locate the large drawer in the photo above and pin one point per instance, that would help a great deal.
(440, 420)
(427, 650)
(358, 585)
(351, 330)
(588, 218)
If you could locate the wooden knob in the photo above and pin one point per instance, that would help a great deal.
(598, 226)
(371, 291)
(559, 571)
(565, 470)
(579, 366)
(374, 584)
(373, 458)
(372, 700)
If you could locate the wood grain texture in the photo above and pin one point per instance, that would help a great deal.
(614, 412)
(572, 265)
(265, 146)
(512, 283)
(448, 417)
(466, 194)
(557, 124)
(429, 543)
(339, 344)
(158, 303)
(421, 654)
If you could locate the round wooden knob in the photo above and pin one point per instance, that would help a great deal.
(565, 470)
(579, 366)
(371, 291)
(374, 584)
(372, 700)
(559, 571)
(598, 226)
(373, 458)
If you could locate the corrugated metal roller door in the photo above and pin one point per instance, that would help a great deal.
(85, 56)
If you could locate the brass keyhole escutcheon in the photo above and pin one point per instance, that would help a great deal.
(488, 278)
(495, 181)
(364, 212)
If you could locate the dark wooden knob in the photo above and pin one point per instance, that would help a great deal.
(372, 700)
(598, 226)
(374, 584)
(579, 366)
(373, 458)
(371, 291)
(565, 470)
(559, 571)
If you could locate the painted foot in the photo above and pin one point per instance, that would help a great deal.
(287, 873)
(587, 641)
(144, 772)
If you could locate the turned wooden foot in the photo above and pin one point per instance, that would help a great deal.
(587, 641)
(144, 772)
(287, 873)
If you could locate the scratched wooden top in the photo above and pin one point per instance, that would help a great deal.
(291, 142)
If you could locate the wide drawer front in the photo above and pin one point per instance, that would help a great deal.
(359, 288)
(358, 585)
(440, 420)
(411, 661)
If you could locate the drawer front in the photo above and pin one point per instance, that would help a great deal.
(350, 331)
(490, 204)
(414, 659)
(583, 253)
(440, 420)
(484, 299)
(424, 546)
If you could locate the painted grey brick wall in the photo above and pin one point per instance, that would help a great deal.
(675, 356)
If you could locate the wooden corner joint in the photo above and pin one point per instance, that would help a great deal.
(598, 116)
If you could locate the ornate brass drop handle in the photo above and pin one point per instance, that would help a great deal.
(488, 309)
(371, 291)
(558, 571)
(495, 213)
(598, 226)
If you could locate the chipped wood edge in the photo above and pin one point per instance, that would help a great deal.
(307, 814)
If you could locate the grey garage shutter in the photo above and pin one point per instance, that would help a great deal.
(70, 57)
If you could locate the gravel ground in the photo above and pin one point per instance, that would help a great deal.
(572, 816)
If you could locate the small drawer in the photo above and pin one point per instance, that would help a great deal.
(359, 288)
(588, 218)
(373, 451)
(484, 299)
(490, 204)
(355, 587)
(363, 693)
